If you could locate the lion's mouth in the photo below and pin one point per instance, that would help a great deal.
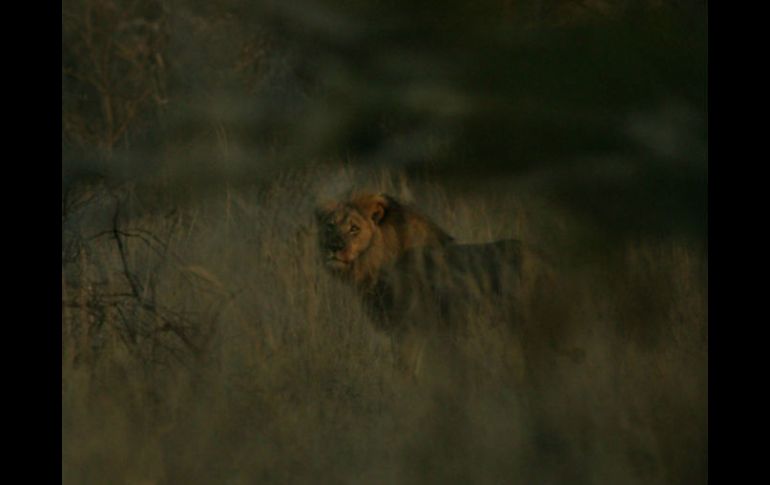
(334, 262)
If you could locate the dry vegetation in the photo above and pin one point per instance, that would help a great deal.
(203, 343)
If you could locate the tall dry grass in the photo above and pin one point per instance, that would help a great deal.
(203, 343)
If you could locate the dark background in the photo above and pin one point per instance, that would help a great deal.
(599, 105)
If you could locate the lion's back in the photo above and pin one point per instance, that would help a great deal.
(465, 262)
(443, 284)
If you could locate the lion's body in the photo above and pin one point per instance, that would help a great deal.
(440, 286)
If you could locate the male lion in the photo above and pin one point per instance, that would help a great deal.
(411, 273)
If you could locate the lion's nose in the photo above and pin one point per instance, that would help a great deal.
(337, 245)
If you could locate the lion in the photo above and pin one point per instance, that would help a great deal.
(411, 274)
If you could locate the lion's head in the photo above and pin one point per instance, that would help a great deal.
(365, 232)
(348, 229)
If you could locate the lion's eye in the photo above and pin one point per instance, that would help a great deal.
(353, 229)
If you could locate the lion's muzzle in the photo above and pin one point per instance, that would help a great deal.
(335, 262)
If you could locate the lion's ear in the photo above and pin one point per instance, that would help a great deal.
(379, 208)
(378, 212)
